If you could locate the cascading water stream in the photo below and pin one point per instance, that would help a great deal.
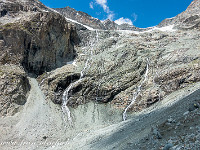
(65, 100)
(135, 95)
(66, 95)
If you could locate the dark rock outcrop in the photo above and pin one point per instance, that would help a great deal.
(14, 87)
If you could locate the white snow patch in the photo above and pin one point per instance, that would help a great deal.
(82, 54)
(74, 63)
(150, 29)
(167, 28)
(71, 62)
(164, 29)
(129, 31)
(171, 17)
(89, 28)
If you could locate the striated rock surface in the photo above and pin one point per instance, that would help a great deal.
(119, 62)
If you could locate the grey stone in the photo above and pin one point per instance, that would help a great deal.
(168, 146)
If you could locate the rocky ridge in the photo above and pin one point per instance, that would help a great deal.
(188, 19)
(95, 23)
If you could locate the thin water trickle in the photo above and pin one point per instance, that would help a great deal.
(66, 94)
(137, 93)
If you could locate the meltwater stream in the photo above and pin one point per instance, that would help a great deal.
(136, 94)
(65, 97)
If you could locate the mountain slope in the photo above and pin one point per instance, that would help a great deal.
(124, 89)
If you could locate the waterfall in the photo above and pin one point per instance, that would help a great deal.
(66, 96)
(135, 95)
(42, 81)
(65, 100)
(44, 78)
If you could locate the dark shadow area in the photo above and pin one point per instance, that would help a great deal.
(4, 12)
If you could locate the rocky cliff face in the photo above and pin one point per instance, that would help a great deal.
(13, 7)
(45, 40)
(14, 88)
(119, 63)
(34, 39)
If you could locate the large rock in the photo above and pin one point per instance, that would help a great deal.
(39, 40)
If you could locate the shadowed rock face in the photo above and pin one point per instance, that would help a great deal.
(38, 40)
